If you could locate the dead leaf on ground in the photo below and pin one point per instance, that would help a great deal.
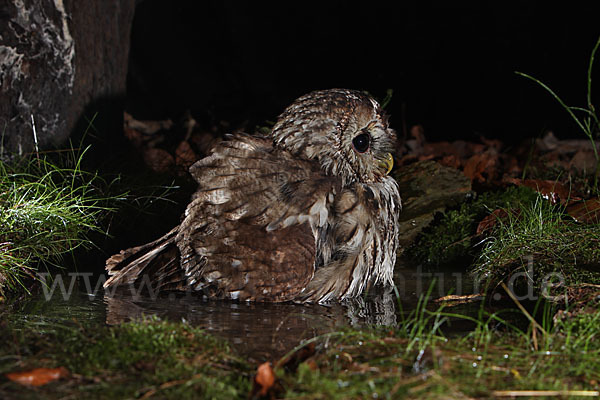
(587, 212)
(491, 220)
(482, 167)
(185, 156)
(451, 161)
(264, 382)
(440, 149)
(553, 191)
(204, 141)
(135, 137)
(38, 376)
(158, 160)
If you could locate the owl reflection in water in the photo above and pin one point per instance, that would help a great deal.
(308, 214)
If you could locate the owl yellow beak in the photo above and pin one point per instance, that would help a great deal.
(387, 163)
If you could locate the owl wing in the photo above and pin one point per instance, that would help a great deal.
(251, 231)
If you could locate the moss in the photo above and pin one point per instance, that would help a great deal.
(451, 239)
(419, 358)
(164, 359)
(377, 364)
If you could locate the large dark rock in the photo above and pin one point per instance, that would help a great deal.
(427, 187)
(60, 63)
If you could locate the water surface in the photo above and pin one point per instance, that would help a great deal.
(260, 331)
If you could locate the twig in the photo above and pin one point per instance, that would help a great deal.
(305, 343)
(523, 310)
(35, 140)
(540, 393)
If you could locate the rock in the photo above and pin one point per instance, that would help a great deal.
(427, 187)
(61, 62)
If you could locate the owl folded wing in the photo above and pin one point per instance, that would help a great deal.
(250, 232)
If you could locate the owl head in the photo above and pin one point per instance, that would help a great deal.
(344, 130)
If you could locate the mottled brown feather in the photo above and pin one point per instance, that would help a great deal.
(250, 251)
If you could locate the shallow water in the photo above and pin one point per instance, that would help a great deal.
(258, 331)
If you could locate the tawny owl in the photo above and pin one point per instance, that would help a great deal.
(309, 214)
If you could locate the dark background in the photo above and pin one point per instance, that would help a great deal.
(451, 67)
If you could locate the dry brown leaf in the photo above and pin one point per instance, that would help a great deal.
(135, 137)
(481, 167)
(451, 161)
(587, 212)
(553, 191)
(158, 160)
(265, 378)
(491, 220)
(204, 141)
(185, 155)
(439, 149)
(38, 376)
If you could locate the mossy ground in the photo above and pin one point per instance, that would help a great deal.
(527, 234)
(149, 358)
(452, 235)
(377, 365)
(542, 241)
(417, 359)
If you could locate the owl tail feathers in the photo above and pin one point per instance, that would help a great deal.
(152, 267)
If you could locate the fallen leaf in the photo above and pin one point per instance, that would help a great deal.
(185, 156)
(450, 161)
(264, 379)
(481, 167)
(158, 160)
(439, 149)
(587, 212)
(204, 141)
(491, 220)
(38, 376)
(135, 137)
(553, 191)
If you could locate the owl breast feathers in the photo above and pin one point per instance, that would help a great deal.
(308, 214)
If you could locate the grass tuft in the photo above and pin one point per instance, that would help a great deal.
(46, 212)
(543, 243)
(452, 237)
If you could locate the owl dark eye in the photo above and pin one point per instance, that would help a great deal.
(361, 142)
